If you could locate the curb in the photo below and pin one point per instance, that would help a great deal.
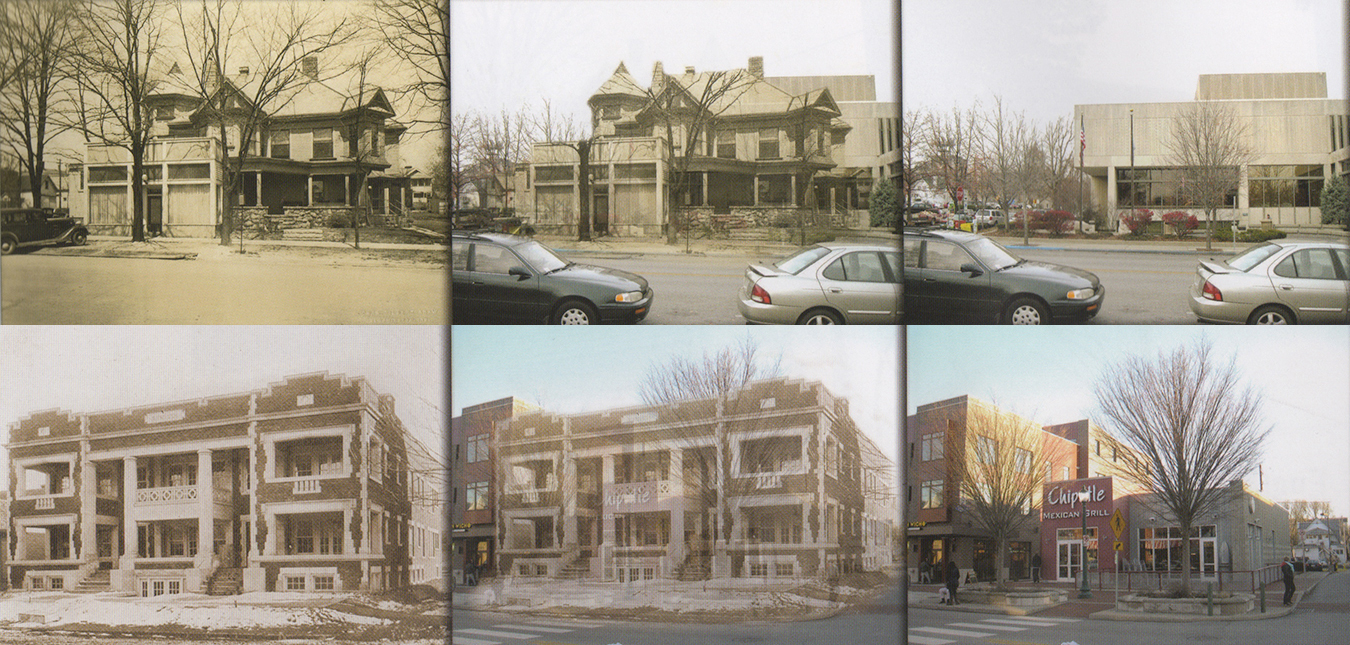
(1220, 252)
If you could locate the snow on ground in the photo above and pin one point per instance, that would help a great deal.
(189, 610)
(719, 596)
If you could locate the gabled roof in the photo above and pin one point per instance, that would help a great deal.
(741, 93)
(620, 83)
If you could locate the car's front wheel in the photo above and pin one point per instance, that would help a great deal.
(575, 312)
(1026, 311)
(79, 238)
(820, 317)
(1271, 315)
(8, 245)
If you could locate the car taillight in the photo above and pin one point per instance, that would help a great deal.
(1211, 292)
(758, 294)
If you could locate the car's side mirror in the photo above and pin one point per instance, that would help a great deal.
(519, 272)
(973, 270)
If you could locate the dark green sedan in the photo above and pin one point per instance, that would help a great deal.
(953, 276)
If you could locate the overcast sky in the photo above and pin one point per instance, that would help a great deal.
(1048, 374)
(584, 370)
(1045, 56)
(93, 369)
(505, 54)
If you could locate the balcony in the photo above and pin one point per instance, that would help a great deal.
(306, 486)
(165, 495)
(768, 481)
(45, 503)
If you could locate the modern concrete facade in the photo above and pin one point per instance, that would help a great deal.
(1297, 133)
(300, 486)
(772, 481)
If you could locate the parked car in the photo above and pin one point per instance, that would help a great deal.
(1315, 565)
(30, 227)
(826, 284)
(953, 276)
(988, 217)
(497, 277)
(1281, 282)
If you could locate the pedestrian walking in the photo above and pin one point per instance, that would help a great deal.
(1287, 569)
(925, 572)
(953, 578)
(1036, 568)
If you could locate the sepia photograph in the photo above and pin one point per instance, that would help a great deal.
(212, 485)
(180, 162)
(713, 486)
(674, 162)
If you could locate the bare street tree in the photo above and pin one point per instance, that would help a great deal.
(1185, 428)
(500, 142)
(1003, 139)
(1211, 146)
(949, 149)
(911, 138)
(1302, 510)
(456, 161)
(998, 464)
(417, 33)
(38, 42)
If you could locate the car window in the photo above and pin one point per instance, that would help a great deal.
(859, 266)
(1344, 256)
(912, 253)
(542, 258)
(459, 256)
(1251, 257)
(946, 256)
(1314, 264)
(802, 259)
(488, 258)
(892, 259)
(991, 254)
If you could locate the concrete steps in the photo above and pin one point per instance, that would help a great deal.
(225, 582)
(100, 581)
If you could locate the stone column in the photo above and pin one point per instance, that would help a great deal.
(124, 578)
(206, 512)
(88, 511)
(606, 515)
(309, 190)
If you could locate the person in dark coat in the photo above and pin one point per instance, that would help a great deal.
(1036, 568)
(1287, 570)
(953, 578)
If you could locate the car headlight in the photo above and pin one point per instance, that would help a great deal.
(1080, 294)
(631, 296)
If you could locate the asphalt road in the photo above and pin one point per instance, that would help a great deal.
(54, 290)
(690, 290)
(876, 622)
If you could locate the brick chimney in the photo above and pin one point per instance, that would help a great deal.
(689, 70)
(756, 66)
(309, 65)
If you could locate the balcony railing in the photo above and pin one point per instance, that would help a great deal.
(45, 503)
(765, 481)
(166, 495)
(305, 486)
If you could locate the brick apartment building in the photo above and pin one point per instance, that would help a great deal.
(774, 480)
(472, 462)
(304, 485)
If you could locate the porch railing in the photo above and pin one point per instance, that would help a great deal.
(166, 495)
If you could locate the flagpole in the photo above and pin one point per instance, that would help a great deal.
(1082, 147)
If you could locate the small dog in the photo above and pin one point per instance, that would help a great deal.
(944, 596)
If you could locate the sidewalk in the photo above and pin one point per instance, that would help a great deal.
(171, 248)
(1101, 605)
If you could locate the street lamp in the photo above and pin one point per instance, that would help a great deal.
(1083, 496)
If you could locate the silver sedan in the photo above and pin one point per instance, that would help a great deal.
(1282, 282)
(826, 284)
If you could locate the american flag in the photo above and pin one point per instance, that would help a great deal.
(1082, 143)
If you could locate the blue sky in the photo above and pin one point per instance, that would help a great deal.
(575, 370)
(1048, 375)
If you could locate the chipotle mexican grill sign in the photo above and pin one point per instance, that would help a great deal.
(1061, 499)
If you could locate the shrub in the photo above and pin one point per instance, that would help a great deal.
(1182, 223)
(337, 219)
(1056, 222)
(1137, 221)
(1260, 235)
(884, 204)
(1335, 203)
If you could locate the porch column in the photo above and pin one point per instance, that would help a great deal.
(569, 491)
(129, 542)
(88, 506)
(756, 190)
(793, 177)
(705, 188)
(206, 530)
(257, 176)
(309, 190)
(675, 547)
(834, 198)
(606, 516)
(347, 191)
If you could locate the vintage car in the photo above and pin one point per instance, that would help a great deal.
(25, 227)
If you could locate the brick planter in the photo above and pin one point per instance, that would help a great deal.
(1021, 599)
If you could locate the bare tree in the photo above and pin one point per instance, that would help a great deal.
(40, 38)
(1211, 146)
(454, 164)
(1003, 139)
(417, 33)
(501, 142)
(950, 147)
(1185, 428)
(1302, 510)
(118, 64)
(998, 464)
(911, 138)
(560, 129)
(273, 42)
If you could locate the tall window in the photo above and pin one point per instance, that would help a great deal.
(281, 144)
(726, 144)
(323, 143)
(476, 495)
(985, 449)
(478, 448)
(768, 144)
(931, 494)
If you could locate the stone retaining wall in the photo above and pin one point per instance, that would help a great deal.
(1237, 604)
(1045, 598)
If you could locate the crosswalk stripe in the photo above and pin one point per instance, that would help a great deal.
(1048, 620)
(1003, 628)
(558, 623)
(952, 632)
(460, 640)
(489, 632)
(1029, 623)
(928, 640)
(535, 628)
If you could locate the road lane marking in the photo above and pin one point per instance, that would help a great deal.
(928, 640)
(1005, 642)
(1032, 623)
(496, 634)
(460, 640)
(952, 632)
(1004, 628)
(1045, 619)
(534, 628)
(559, 623)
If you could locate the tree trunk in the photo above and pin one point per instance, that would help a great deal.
(584, 192)
(1186, 558)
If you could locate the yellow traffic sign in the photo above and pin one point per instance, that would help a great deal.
(1117, 524)
(1120, 546)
